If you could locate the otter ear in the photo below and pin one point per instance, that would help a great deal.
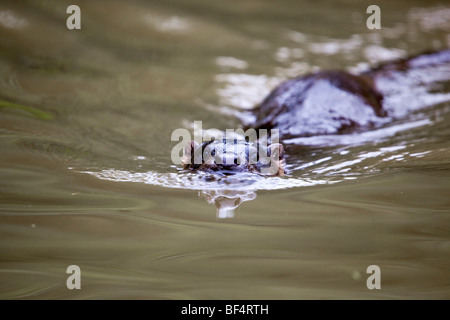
(277, 151)
(188, 153)
(277, 155)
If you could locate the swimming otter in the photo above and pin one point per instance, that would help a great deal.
(326, 102)
(334, 102)
(228, 157)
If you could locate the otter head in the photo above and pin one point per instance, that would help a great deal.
(233, 156)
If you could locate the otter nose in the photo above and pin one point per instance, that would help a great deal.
(227, 159)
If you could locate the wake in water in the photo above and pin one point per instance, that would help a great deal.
(227, 192)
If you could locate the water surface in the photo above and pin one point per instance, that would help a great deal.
(86, 176)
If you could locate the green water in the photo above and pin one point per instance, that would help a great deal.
(108, 96)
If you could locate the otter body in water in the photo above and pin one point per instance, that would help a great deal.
(326, 102)
(333, 102)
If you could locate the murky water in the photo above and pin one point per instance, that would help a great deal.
(86, 176)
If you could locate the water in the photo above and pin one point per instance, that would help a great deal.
(86, 176)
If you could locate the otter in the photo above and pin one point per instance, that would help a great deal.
(321, 103)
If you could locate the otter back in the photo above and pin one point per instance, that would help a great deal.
(333, 102)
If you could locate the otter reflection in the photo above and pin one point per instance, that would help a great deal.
(227, 200)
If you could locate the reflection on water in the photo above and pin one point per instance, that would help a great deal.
(227, 200)
(358, 138)
(226, 193)
(86, 176)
